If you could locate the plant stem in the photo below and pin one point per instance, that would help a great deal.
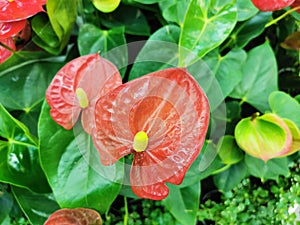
(282, 16)
(126, 211)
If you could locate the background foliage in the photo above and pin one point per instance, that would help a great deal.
(237, 54)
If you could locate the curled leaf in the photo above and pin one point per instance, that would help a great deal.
(78, 216)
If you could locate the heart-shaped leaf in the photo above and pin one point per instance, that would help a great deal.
(37, 207)
(228, 150)
(111, 44)
(19, 159)
(206, 25)
(183, 203)
(259, 77)
(73, 167)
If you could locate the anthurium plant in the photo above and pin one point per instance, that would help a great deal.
(106, 106)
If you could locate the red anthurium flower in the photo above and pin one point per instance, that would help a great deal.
(5, 53)
(162, 118)
(271, 5)
(9, 29)
(14, 10)
(77, 216)
(77, 86)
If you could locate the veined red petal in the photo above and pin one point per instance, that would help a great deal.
(77, 216)
(19, 9)
(5, 53)
(271, 5)
(172, 109)
(10, 29)
(94, 75)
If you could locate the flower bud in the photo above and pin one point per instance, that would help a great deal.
(264, 137)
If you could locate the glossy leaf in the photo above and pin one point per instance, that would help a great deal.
(131, 18)
(78, 216)
(19, 163)
(4, 52)
(19, 9)
(270, 170)
(37, 207)
(228, 150)
(271, 5)
(27, 75)
(246, 9)
(6, 203)
(227, 69)
(259, 77)
(46, 37)
(246, 31)
(183, 203)
(9, 29)
(159, 52)
(70, 161)
(62, 15)
(174, 10)
(285, 106)
(106, 6)
(231, 177)
(205, 164)
(206, 25)
(110, 44)
(151, 104)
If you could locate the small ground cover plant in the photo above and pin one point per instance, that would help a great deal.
(149, 112)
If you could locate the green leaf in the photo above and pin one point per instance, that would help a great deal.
(246, 9)
(147, 1)
(228, 150)
(6, 203)
(159, 52)
(25, 78)
(285, 106)
(129, 17)
(62, 15)
(205, 164)
(37, 207)
(244, 32)
(19, 164)
(270, 170)
(45, 37)
(174, 10)
(106, 5)
(206, 25)
(72, 166)
(259, 77)
(111, 44)
(230, 178)
(183, 203)
(227, 69)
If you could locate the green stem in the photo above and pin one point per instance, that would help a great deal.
(221, 169)
(6, 47)
(126, 211)
(282, 16)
